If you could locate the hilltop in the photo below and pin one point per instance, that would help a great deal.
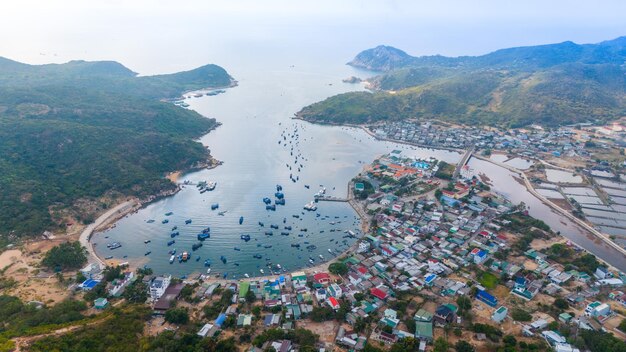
(72, 133)
(546, 84)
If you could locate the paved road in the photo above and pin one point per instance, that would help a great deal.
(88, 231)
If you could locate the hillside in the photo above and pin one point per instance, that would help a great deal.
(73, 132)
(547, 84)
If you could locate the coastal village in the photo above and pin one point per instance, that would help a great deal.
(445, 261)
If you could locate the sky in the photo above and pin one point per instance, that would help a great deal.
(177, 34)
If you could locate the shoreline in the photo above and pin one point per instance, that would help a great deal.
(583, 225)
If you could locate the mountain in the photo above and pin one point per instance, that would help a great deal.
(74, 134)
(551, 85)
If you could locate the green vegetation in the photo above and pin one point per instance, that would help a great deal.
(547, 84)
(68, 255)
(445, 170)
(118, 333)
(565, 255)
(492, 333)
(488, 280)
(367, 191)
(463, 346)
(185, 341)
(520, 315)
(597, 341)
(71, 133)
(338, 268)
(179, 316)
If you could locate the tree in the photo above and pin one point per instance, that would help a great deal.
(561, 303)
(463, 346)
(137, 292)
(405, 344)
(464, 303)
(68, 255)
(509, 340)
(338, 268)
(622, 325)
(441, 345)
(178, 316)
(250, 296)
(520, 315)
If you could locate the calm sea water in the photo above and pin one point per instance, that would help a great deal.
(256, 116)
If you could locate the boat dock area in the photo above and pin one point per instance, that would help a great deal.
(327, 198)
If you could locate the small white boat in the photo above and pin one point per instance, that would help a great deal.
(262, 272)
(330, 250)
(172, 258)
(246, 275)
(208, 271)
(321, 257)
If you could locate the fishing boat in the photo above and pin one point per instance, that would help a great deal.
(225, 275)
(207, 263)
(203, 236)
(169, 243)
(246, 275)
(330, 250)
(274, 226)
(223, 259)
(169, 213)
(269, 233)
(211, 185)
(288, 228)
(198, 258)
(174, 234)
(267, 246)
(296, 245)
(150, 221)
(284, 233)
(165, 221)
(240, 220)
(108, 257)
(321, 257)
(172, 258)
(114, 245)
(267, 200)
(261, 224)
(148, 253)
(310, 206)
(174, 228)
(271, 207)
(311, 261)
(147, 241)
(208, 271)
(237, 249)
(173, 251)
(245, 237)
(258, 256)
(262, 272)
(195, 246)
(188, 221)
(221, 213)
(280, 201)
(185, 256)
(214, 206)
(279, 195)
(279, 188)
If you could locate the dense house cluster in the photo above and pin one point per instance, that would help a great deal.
(530, 142)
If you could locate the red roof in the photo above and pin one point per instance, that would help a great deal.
(321, 277)
(378, 293)
(362, 270)
(333, 302)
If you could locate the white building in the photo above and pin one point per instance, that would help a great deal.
(364, 246)
(158, 286)
(500, 314)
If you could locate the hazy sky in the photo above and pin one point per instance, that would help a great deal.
(183, 33)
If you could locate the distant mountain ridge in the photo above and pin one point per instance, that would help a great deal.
(72, 133)
(549, 84)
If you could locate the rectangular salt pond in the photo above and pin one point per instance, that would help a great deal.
(614, 192)
(609, 183)
(618, 200)
(586, 199)
(604, 214)
(580, 191)
(599, 207)
(561, 176)
(550, 193)
(607, 222)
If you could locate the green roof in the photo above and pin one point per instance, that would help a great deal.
(424, 330)
(423, 315)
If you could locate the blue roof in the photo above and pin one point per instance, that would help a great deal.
(220, 319)
(486, 297)
(281, 278)
(90, 283)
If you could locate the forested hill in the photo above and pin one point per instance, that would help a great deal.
(71, 133)
(547, 84)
